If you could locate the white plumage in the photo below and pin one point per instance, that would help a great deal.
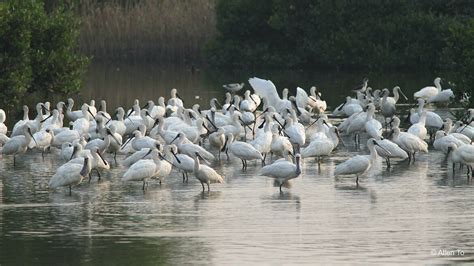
(283, 170)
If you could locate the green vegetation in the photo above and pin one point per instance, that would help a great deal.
(370, 34)
(165, 31)
(39, 51)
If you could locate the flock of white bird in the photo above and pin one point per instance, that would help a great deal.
(159, 138)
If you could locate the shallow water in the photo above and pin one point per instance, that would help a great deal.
(393, 216)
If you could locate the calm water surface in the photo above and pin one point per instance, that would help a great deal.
(394, 216)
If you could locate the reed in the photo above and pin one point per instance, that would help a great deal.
(166, 31)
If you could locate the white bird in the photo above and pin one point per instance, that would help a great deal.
(322, 145)
(359, 164)
(429, 91)
(3, 127)
(119, 124)
(19, 124)
(65, 136)
(397, 91)
(242, 150)
(281, 145)
(283, 170)
(92, 108)
(34, 124)
(139, 141)
(104, 144)
(443, 141)
(82, 124)
(267, 90)
(390, 150)
(186, 147)
(235, 128)
(387, 108)
(134, 121)
(67, 150)
(349, 107)
(233, 87)
(183, 162)
(115, 142)
(441, 96)
(463, 155)
(263, 141)
(141, 154)
(409, 143)
(42, 140)
(433, 120)
(467, 130)
(295, 132)
(96, 160)
(418, 129)
(205, 174)
(315, 101)
(175, 96)
(450, 130)
(18, 144)
(73, 115)
(103, 110)
(372, 126)
(70, 174)
(164, 167)
(248, 104)
(217, 140)
(54, 123)
(143, 169)
(156, 110)
(159, 131)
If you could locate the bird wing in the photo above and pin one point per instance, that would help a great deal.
(278, 170)
(301, 98)
(355, 165)
(213, 176)
(265, 89)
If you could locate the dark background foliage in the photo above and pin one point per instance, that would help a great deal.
(38, 51)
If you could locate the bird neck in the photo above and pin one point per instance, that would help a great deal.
(438, 85)
(396, 95)
(373, 153)
(196, 164)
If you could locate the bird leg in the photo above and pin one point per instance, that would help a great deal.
(280, 187)
(184, 177)
(42, 154)
(208, 187)
(70, 190)
(90, 177)
(414, 156)
(203, 189)
(454, 167)
(357, 180)
(115, 157)
(143, 188)
(243, 163)
(187, 177)
(98, 173)
(14, 161)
